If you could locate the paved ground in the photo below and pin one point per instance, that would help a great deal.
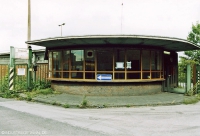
(34, 119)
(162, 98)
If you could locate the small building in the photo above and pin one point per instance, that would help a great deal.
(113, 65)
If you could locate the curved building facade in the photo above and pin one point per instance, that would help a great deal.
(113, 65)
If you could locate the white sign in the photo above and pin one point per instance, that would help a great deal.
(119, 65)
(21, 71)
(128, 65)
(21, 53)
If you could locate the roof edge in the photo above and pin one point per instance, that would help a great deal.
(111, 36)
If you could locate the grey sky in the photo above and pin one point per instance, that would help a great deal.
(171, 18)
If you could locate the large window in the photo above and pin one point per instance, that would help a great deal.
(104, 60)
(77, 57)
(57, 64)
(119, 63)
(115, 64)
(66, 63)
(90, 64)
(134, 60)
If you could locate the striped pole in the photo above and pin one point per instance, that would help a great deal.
(11, 78)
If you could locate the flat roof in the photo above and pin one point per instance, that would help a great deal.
(165, 43)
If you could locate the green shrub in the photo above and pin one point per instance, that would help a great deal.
(41, 84)
(66, 106)
(4, 84)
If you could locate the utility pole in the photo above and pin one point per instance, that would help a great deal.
(29, 22)
(29, 47)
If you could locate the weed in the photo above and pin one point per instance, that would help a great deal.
(105, 105)
(128, 105)
(53, 103)
(191, 100)
(41, 84)
(29, 98)
(66, 106)
(84, 103)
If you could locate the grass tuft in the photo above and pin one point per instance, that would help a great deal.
(191, 100)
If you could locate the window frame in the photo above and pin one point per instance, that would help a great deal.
(127, 72)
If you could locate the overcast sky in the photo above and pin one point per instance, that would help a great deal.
(170, 18)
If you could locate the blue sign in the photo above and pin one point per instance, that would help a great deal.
(104, 77)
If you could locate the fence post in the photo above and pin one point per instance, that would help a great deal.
(11, 69)
(188, 78)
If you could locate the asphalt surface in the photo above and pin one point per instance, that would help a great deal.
(32, 118)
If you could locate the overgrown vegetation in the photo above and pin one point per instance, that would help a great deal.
(192, 100)
(20, 84)
(191, 57)
(41, 84)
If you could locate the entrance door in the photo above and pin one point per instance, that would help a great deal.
(170, 72)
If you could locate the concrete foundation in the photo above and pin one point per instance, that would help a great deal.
(107, 89)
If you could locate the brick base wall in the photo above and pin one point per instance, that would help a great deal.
(107, 89)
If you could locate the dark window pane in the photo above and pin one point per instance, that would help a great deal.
(65, 74)
(133, 60)
(78, 75)
(89, 60)
(104, 60)
(155, 60)
(66, 60)
(56, 74)
(145, 60)
(77, 60)
(133, 76)
(155, 75)
(119, 76)
(146, 75)
(119, 59)
(57, 61)
(89, 75)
